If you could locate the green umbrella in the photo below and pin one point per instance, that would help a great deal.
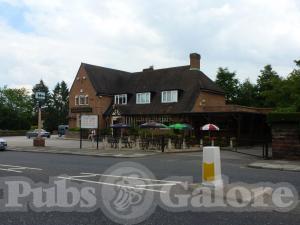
(181, 126)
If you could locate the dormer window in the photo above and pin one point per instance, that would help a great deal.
(143, 98)
(120, 99)
(169, 96)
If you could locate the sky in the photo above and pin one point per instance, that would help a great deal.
(48, 39)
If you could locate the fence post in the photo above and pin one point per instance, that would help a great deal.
(162, 143)
(137, 144)
(169, 144)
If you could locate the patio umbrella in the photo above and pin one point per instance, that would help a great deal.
(181, 126)
(119, 125)
(153, 124)
(210, 127)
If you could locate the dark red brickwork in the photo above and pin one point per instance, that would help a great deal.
(286, 140)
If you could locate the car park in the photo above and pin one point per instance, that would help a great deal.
(37, 132)
(3, 144)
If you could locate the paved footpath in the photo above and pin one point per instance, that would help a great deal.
(277, 165)
(87, 152)
(70, 146)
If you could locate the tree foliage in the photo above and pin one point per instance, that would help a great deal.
(229, 83)
(270, 90)
(15, 109)
(57, 107)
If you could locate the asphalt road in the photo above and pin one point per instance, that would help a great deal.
(40, 166)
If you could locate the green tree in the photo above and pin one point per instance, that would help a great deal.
(247, 94)
(267, 82)
(292, 87)
(15, 109)
(57, 109)
(229, 83)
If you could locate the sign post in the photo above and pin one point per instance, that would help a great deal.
(88, 122)
(40, 96)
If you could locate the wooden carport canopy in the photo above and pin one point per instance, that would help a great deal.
(246, 124)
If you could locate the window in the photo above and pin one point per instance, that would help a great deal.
(169, 96)
(81, 100)
(121, 99)
(76, 100)
(143, 98)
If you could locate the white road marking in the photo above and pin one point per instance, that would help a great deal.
(154, 185)
(90, 175)
(12, 168)
(134, 178)
(110, 184)
(31, 168)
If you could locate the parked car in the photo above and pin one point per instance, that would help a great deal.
(62, 129)
(3, 144)
(35, 133)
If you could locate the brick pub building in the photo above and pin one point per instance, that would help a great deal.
(169, 95)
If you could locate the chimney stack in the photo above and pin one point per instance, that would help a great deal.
(195, 61)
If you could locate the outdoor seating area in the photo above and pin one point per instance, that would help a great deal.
(153, 136)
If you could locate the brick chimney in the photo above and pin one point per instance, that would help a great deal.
(195, 61)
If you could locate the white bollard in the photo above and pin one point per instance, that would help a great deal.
(104, 143)
(119, 144)
(137, 144)
(184, 144)
(211, 167)
(169, 144)
(201, 144)
(231, 143)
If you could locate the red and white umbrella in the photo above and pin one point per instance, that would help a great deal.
(209, 127)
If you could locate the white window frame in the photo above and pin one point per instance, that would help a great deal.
(120, 99)
(84, 98)
(143, 98)
(81, 100)
(76, 100)
(169, 96)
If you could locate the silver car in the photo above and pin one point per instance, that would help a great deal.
(3, 144)
(36, 132)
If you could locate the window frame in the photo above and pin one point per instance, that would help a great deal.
(76, 100)
(143, 98)
(170, 96)
(81, 100)
(120, 99)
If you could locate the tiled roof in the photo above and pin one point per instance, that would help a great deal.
(189, 83)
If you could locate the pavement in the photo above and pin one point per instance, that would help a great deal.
(59, 145)
(84, 152)
(165, 169)
(277, 165)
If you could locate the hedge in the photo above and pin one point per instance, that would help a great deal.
(283, 117)
(12, 133)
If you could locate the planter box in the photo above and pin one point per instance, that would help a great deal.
(39, 142)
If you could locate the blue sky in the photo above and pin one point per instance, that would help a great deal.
(14, 16)
(49, 39)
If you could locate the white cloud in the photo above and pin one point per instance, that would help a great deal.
(131, 34)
